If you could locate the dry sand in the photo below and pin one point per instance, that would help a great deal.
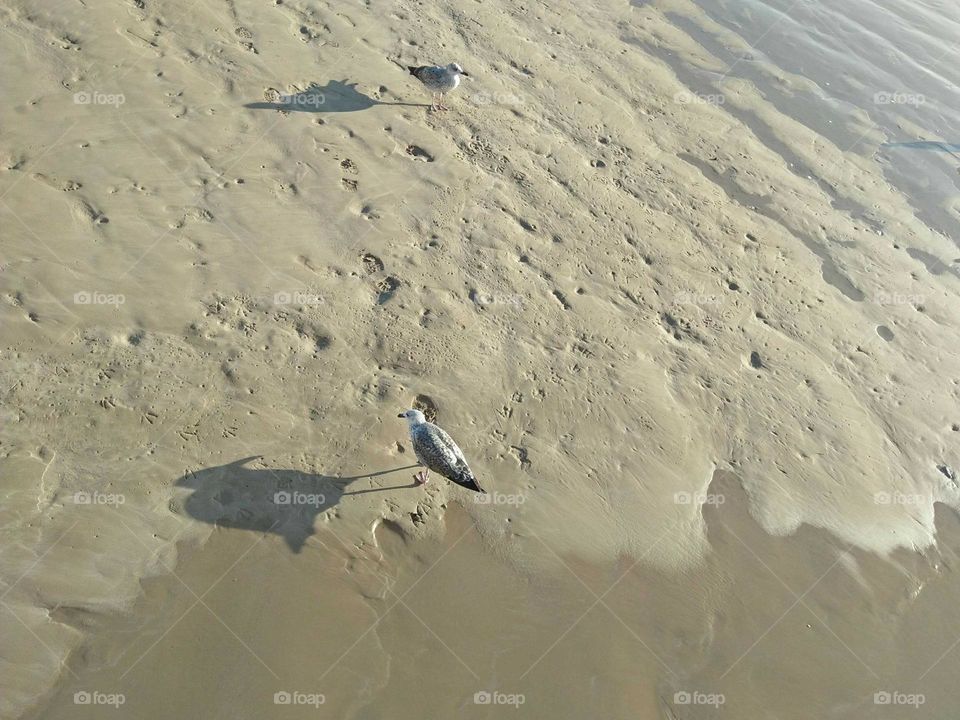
(679, 278)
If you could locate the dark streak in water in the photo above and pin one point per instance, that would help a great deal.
(934, 265)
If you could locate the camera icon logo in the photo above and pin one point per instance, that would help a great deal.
(282, 697)
(82, 697)
(482, 698)
(82, 98)
(282, 298)
(81, 498)
(282, 498)
(681, 698)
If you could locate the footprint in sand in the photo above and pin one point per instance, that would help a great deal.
(387, 288)
(418, 153)
(245, 37)
(371, 263)
(57, 183)
(308, 34)
(82, 210)
(426, 405)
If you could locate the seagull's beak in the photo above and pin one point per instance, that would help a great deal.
(401, 415)
(465, 73)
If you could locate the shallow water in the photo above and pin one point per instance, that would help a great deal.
(891, 65)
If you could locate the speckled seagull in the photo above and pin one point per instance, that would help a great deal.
(438, 80)
(438, 452)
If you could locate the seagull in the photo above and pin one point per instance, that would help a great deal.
(438, 80)
(438, 452)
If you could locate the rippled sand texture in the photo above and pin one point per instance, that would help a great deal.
(649, 242)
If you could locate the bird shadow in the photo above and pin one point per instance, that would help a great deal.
(282, 502)
(337, 96)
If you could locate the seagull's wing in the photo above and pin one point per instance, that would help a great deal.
(437, 450)
(448, 441)
(431, 450)
(429, 75)
(424, 72)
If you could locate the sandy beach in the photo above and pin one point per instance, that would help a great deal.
(681, 278)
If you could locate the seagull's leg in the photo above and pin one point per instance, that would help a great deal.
(433, 101)
(442, 106)
(421, 477)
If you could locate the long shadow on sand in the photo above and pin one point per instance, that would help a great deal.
(337, 96)
(284, 502)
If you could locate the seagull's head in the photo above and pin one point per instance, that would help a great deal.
(414, 417)
(457, 70)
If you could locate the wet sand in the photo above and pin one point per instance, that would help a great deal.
(791, 627)
(656, 253)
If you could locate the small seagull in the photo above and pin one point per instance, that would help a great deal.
(438, 80)
(438, 452)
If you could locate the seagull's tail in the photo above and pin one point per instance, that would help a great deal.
(415, 71)
(467, 480)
